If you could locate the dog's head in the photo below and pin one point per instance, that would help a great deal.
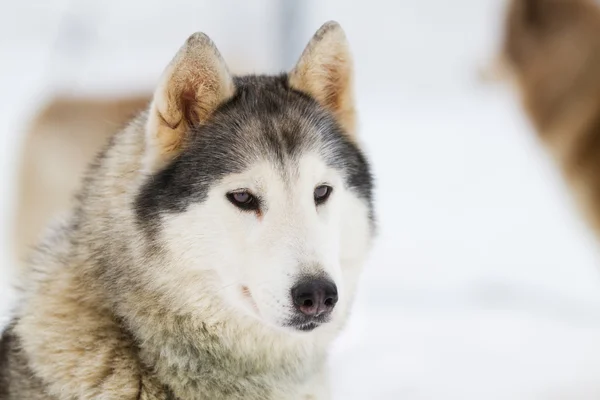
(552, 49)
(259, 180)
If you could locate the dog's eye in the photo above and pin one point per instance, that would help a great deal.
(322, 194)
(244, 200)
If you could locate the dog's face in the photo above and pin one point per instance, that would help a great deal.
(269, 190)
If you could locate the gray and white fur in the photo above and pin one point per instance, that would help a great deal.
(216, 244)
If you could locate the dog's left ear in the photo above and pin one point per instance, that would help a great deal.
(325, 72)
(191, 88)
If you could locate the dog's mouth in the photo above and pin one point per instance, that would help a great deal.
(248, 296)
(307, 327)
(308, 324)
(299, 323)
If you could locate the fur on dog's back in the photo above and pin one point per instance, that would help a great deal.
(552, 50)
(156, 286)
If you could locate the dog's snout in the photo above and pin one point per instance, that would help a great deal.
(315, 297)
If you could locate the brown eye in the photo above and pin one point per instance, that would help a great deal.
(322, 194)
(244, 200)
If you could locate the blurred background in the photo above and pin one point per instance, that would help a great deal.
(484, 281)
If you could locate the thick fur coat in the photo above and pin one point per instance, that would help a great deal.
(171, 278)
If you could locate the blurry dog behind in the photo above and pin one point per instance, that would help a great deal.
(551, 50)
(61, 141)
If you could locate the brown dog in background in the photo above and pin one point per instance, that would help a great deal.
(552, 51)
(62, 140)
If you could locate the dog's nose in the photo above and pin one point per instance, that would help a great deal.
(315, 297)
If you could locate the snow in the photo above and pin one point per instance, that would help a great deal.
(483, 283)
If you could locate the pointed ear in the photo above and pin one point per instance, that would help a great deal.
(193, 85)
(325, 72)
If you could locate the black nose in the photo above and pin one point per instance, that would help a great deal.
(315, 297)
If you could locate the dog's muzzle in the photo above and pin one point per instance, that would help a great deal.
(314, 299)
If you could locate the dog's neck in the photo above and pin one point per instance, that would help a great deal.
(235, 359)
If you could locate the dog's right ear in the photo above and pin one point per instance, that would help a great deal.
(325, 72)
(193, 85)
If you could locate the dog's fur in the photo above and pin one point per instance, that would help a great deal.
(61, 141)
(552, 51)
(158, 287)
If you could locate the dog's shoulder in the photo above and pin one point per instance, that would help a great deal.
(17, 380)
(5, 342)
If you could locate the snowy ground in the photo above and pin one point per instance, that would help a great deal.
(484, 282)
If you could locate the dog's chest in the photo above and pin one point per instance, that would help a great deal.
(213, 374)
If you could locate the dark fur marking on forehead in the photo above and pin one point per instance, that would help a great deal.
(265, 119)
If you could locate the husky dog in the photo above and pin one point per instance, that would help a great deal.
(215, 247)
(552, 51)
